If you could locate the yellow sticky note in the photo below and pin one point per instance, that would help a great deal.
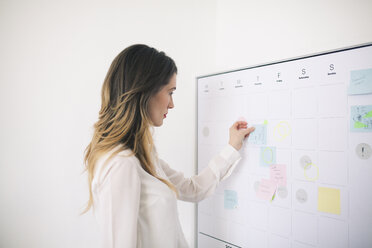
(329, 200)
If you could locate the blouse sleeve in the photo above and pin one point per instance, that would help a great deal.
(204, 184)
(119, 201)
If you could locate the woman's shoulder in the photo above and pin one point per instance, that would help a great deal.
(123, 160)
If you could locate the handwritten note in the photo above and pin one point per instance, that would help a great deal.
(266, 190)
(230, 199)
(278, 174)
(258, 136)
(360, 82)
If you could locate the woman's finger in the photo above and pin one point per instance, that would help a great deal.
(248, 131)
(238, 123)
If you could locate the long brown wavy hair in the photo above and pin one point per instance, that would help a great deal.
(135, 75)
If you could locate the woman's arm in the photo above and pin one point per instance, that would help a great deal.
(200, 186)
(220, 167)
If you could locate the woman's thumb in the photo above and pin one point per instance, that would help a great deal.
(248, 131)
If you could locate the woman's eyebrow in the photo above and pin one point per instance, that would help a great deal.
(174, 88)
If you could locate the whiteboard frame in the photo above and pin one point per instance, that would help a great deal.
(288, 60)
(247, 68)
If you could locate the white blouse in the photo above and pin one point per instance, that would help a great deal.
(134, 209)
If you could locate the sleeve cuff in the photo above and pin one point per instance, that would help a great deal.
(224, 164)
(230, 154)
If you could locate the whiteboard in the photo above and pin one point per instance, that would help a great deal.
(305, 178)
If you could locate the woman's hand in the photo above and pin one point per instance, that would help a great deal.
(238, 132)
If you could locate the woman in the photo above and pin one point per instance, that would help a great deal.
(132, 191)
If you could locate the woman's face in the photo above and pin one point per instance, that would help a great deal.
(161, 102)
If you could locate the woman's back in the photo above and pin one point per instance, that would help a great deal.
(133, 208)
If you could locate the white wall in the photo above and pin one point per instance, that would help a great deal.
(55, 54)
(253, 32)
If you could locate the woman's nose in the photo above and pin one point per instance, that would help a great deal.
(171, 104)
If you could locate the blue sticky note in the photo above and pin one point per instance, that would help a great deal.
(360, 82)
(258, 136)
(230, 199)
(361, 118)
(267, 156)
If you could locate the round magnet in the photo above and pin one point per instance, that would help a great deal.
(282, 192)
(305, 162)
(363, 151)
(301, 196)
(206, 131)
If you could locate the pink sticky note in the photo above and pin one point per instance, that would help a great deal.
(266, 189)
(278, 174)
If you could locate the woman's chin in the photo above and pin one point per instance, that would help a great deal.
(158, 124)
